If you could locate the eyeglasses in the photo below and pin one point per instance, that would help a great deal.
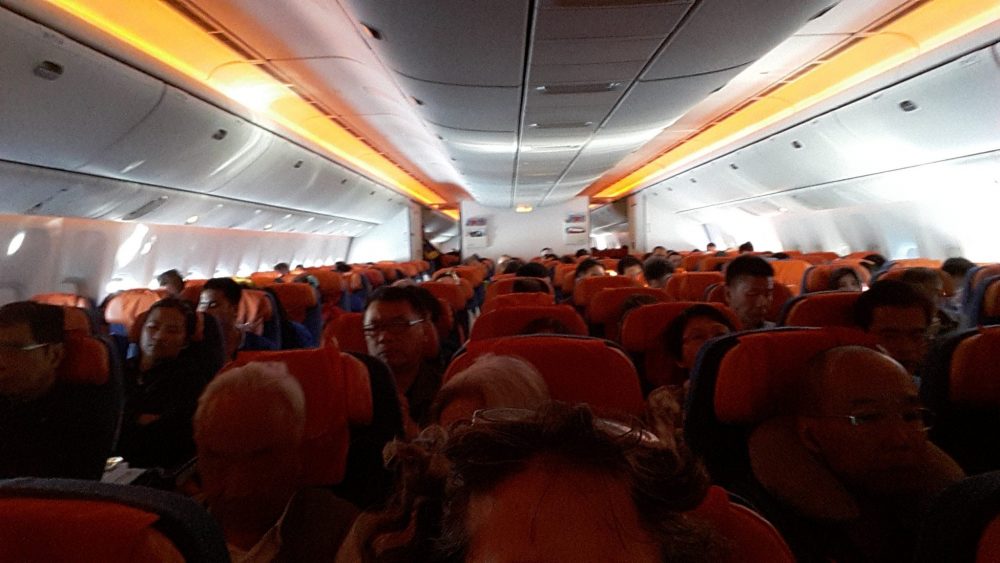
(9, 347)
(395, 327)
(612, 428)
(919, 418)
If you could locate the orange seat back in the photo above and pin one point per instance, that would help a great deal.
(296, 298)
(977, 275)
(789, 273)
(972, 377)
(505, 285)
(714, 263)
(606, 306)
(818, 257)
(123, 307)
(559, 274)
(577, 369)
(511, 321)
(585, 288)
(264, 279)
(642, 333)
(817, 278)
(347, 331)
(913, 263)
(822, 308)
(690, 286)
(254, 310)
(63, 300)
(86, 360)
(331, 284)
(947, 284)
(690, 261)
(337, 394)
(748, 536)
(609, 263)
(192, 291)
(518, 300)
(448, 291)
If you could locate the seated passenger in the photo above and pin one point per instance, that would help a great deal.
(283, 269)
(490, 382)
(659, 251)
(529, 285)
(874, 262)
(844, 279)
(928, 282)
(162, 385)
(397, 326)
(220, 297)
(248, 427)
(857, 470)
(589, 268)
(710, 248)
(657, 270)
(171, 281)
(553, 485)
(48, 428)
(957, 268)
(675, 258)
(532, 270)
(750, 290)
(899, 318)
(630, 267)
(510, 265)
(746, 247)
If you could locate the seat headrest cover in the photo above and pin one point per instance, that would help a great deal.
(577, 369)
(360, 403)
(606, 305)
(991, 299)
(296, 298)
(86, 360)
(644, 326)
(585, 289)
(511, 321)
(76, 320)
(254, 310)
(346, 328)
(972, 377)
(834, 308)
(63, 299)
(518, 300)
(127, 305)
(757, 375)
(451, 292)
(750, 538)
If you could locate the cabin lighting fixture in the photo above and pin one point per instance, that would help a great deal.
(191, 220)
(268, 226)
(524, 208)
(15, 243)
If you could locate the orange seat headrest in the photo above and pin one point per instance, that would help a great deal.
(518, 300)
(346, 329)
(972, 377)
(757, 376)
(643, 328)
(86, 360)
(451, 292)
(296, 298)
(62, 299)
(76, 320)
(511, 321)
(254, 310)
(124, 307)
(825, 308)
(606, 305)
(690, 286)
(584, 289)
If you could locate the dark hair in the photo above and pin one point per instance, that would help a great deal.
(673, 335)
(423, 302)
(780, 256)
(710, 243)
(627, 262)
(281, 266)
(877, 261)
(658, 247)
(655, 267)
(45, 322)
(582, 252)
(746, 247)
(532, 270)
(585, 265)
(957, 266)
(342, 267)
(182, 307)
(748, 265)
(920, 276)
(228, 287)
(529, 285)
(511, 266)
(663, 482)
(889, 293)
(839, 273)
(168, 277)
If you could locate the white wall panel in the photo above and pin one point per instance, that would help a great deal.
(524, 234)
(388, 241)
(94, 257)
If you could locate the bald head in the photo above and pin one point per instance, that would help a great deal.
(842, 369)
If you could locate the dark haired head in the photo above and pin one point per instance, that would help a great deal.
(839, 273)
(585, 265)
(626, 263)
(753, 266)
(673, 335)
(420, 300)
(529, 285)
(231, 290)
(877, 261)
(957, 267)
(342, 267)
(44, 321)
(511, 266)
(780, 256)
(282, 268)
(172, 280)
(889, 293)
(582, 252)
(532, 270)
(746, 247)
(182, 307)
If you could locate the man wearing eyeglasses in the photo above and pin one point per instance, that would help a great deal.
(864, 470)
(899, 318)
(48, 428)
(399, 331)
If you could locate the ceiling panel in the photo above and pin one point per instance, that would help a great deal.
(466, 107)
(734, 33)
(579, 51)
(637, 20)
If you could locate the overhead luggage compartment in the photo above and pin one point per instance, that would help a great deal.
(61, 103)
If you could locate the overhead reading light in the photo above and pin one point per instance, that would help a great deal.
(927, 26)
(15, 244)
(268, 226)
(524, 208)
(48, 70)
(287, 216)
(584, 88)
(145, 209)
(562, 125)
(191, 220)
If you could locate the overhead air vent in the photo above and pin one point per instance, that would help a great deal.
(580, 88)
(48, 70)
(562, 125)
(146, 209)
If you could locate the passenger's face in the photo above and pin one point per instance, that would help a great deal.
(902, 331)
(394, 341)
(163, 334)
(593, 272)
(697, 332)
(848, 283)
(248, 463)
(214, 302)
(554, 512)
(633, 272)
(750, 297)
(26, 374)
(882, 456)
(675, 260)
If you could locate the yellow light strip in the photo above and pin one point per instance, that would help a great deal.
(161, 32)
(923, 29)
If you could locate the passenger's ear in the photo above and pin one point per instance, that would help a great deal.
(804, 430)
(54, 354)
